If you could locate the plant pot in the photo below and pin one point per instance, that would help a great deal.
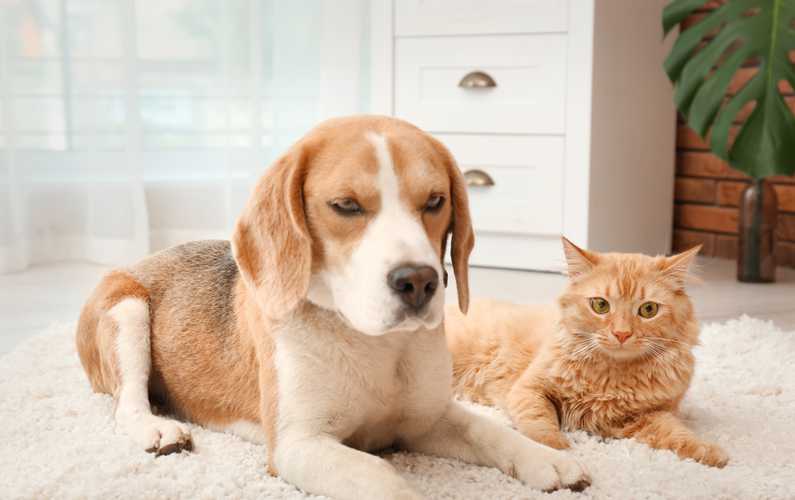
(756, 259)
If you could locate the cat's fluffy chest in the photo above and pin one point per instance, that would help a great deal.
(603, 396)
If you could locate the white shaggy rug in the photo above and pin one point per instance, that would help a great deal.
(57, 438)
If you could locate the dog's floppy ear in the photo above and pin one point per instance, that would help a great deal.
(463, 239)
(271, 242)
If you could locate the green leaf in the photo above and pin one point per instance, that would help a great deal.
(709, 96)
(676, 12)
(702, 68)
(687, 42)
(695, 72)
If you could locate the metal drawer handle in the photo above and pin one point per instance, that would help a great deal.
(479, 178)
(477, 80)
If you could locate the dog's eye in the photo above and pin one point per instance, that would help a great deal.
(346, 206)
(434, 203)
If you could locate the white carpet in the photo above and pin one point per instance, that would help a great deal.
(57, 438)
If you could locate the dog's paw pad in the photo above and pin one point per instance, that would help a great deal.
(173, 448)
(579, 485)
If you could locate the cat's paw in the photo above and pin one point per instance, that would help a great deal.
(714, 456)
(549, 437)
(554, 440)
(705, 453)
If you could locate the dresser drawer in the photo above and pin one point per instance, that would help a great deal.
(529, 73)
(511, 251)
(527, 195)
(464, 17)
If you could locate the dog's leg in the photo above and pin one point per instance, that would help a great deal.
(321, 465)
(133, 412)
(479, 440)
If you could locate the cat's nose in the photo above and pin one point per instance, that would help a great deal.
(622, 336)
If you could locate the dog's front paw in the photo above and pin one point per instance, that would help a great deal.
(548, 469)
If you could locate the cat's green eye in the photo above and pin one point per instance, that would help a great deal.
(600, 305)
(648, 310)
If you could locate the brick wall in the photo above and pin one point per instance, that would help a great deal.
(708, 190)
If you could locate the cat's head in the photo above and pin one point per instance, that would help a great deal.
(627, 306)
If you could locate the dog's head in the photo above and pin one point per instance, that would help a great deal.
(355, 218)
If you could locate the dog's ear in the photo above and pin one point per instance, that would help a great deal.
(463, 239)
(271, 242)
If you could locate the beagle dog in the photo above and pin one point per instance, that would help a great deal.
(318, 330)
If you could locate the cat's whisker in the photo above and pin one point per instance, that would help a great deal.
(583, 350)
(686, 345)
(584, 346)
(580, 361)
(658, 353)
(587, 354)
(655, 347)
(581, 341)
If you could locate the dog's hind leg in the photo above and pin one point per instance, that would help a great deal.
(133, 356)
(113, 341)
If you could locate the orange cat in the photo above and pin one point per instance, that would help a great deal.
(614, 358)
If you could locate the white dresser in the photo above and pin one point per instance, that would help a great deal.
(558, 112)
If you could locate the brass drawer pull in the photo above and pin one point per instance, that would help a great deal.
(477, 177)
(477, 80)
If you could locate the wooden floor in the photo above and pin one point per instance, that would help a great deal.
(33, 299)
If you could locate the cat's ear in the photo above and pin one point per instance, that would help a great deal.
(677, 268)
(578, 261)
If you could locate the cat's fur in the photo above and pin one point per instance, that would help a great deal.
(563, 367)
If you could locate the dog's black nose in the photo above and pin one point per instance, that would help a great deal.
(414, 284)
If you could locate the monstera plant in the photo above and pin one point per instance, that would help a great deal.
(704, 60)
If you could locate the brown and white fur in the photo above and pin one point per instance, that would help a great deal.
(614, 373)
(292, 334)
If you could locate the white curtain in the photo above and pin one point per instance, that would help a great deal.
(130, 125)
